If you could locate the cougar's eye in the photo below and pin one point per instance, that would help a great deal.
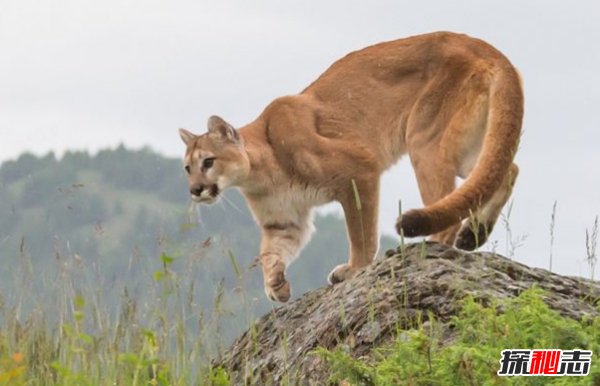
(208, 163)
(187, 169)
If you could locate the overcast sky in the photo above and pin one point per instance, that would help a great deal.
(91, 74)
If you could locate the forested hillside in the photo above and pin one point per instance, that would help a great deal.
(111, 222)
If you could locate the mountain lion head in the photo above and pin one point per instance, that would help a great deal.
(214, 160)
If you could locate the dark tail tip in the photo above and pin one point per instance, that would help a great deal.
(414, 223)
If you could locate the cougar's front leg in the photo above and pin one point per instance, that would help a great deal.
(281, 241)
(360, 203)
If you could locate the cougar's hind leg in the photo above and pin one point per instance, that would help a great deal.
(434, 126)
(436, 179)
(475, 231)
(453, 151)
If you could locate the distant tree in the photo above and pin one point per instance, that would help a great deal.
(25, 165)
(7, 215)
(93, 209)
(38, 188)
(76, 160)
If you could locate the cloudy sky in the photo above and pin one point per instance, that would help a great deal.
(78, 74)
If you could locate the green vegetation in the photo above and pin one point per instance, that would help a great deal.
(426, 355)
(77, 340)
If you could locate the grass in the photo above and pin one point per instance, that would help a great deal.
(591, 245)
(74, 338)
(358, 204)
(424, 356)
(552, 225)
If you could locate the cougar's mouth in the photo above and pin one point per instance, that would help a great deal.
(208, 195)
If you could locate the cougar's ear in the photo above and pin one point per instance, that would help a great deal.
(186, 136)
(218, 126)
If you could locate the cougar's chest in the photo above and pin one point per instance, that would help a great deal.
(291, 203)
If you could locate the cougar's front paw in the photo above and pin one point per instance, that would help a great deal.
(277, 288)
(341, 273)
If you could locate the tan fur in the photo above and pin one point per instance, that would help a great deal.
(453, 103)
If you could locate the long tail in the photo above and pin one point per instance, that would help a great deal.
(497, 153)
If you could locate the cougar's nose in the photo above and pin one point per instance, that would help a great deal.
(196, 190)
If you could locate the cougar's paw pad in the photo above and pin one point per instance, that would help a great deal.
(277, 288)
(469, 239)
(340, 273)
(413, 223)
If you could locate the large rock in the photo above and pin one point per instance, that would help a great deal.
(367, 311)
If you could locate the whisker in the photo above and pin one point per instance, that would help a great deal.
(233, 205)
(194, 215)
